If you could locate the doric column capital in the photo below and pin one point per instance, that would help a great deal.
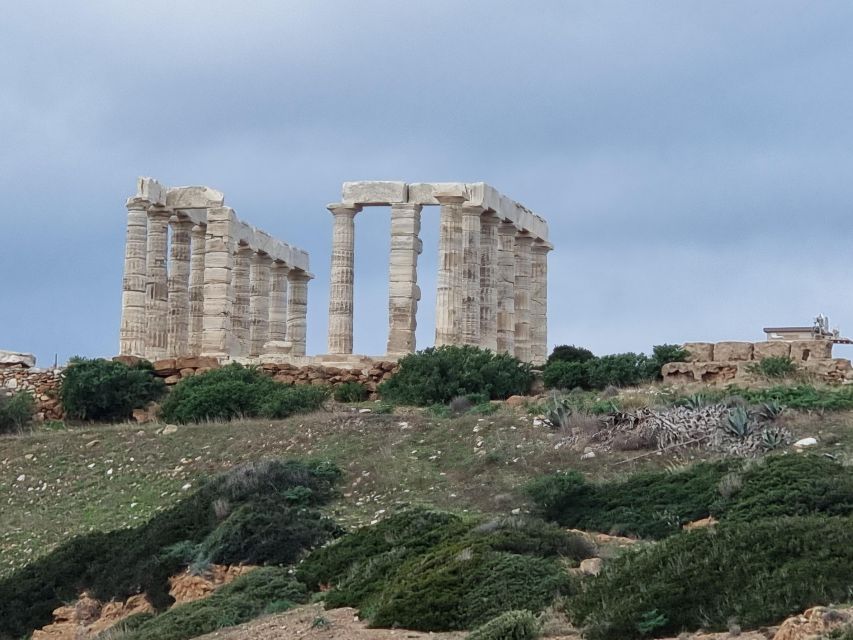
(489, 218)
(244, 250)
(507, 228)
(541, 247)
(298, 275)
(412, 207)
(472, 209)
(449, 198)
(199, 230)
(524, 239)
(281, 267)
(135, 203)
(262, 259)
(160, 213)
(344, 209)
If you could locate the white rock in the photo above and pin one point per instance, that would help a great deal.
(169, 429)
(11, 383)
(588, 455)
(13, 357)
(806, 442)
(365, 411)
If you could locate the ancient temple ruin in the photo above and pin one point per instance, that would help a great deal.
(199, 281)
(492, 272)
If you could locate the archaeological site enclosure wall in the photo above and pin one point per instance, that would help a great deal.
(199, 281)
(492, 268)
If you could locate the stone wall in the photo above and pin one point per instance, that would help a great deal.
(43, 384)
(730, 362)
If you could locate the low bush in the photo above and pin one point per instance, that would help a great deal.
(569, 353)
(265, 590)
(351, 392)
(16, 411)
(657, 504)
(236, 391)
(518, 624)
(620, 370)
(802, 396)
(439, 374)
(755, 573)
(231, 517)
(774, 367)
(434, 571)
(566, 375)
(106, 390)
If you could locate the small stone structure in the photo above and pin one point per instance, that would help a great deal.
(492, 269)
(730, 362)
(19, 373)
(224, 290)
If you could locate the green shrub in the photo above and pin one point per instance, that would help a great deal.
(774, 367)
(756, 573)
(803, 396)
(619, 370)
(106, 390)
(657, 504)
(434, 571)
(518, 624)
(16, 411)
(439, 374)
(664, 354)
(249, 596)
(205, 524)
(566, 375)
(236, 391)
(569, 353)
(351, 392)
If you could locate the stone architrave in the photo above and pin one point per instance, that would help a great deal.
(133, 325)
(196, 288)
(471, 230)
(523, 244)
(404, 292)
(539, 303)
(157, 285)
(242, 294)
(297, 310)
(179, 283)
(220, 244)
(506, 288)
(341, 289)
(278, 302)
(488, 281)
(259, 301)
(449, 282)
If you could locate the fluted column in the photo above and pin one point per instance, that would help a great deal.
(179, 283)
(242, 293)
(522, 297)
(471, 230)
(219, 245)
(259, 303)
(488, 282)
(157, 285)
(297, 309)
(448, 300)
(196, 288)
(278, 302)
(341, 289)
(506, 288)
(539, 303)
(133, 325)
(404, 293)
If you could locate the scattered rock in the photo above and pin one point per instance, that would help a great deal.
(591, 566)
(805, 442)
(14, 358)
(813, 623)
(702, 523)
(169, 429)
(92, 443)
(516, 401)
(588, 455)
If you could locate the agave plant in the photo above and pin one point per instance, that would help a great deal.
(557, 412)
(772, 438)
(738, 422)
(695, 401)
(771, 410)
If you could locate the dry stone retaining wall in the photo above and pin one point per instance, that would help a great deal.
(43, 384)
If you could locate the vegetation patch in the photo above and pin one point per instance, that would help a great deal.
(753, 573)
(518, 624)
(265, 512)
(657, 504)
(439, 374)
(16, 412)
(236, 391)
(351, 392)
(106, 390)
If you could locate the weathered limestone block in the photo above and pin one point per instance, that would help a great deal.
(729, 351)
(259, 310)
(374, 192)
(218, 294)
(278, 302)
(771, 349)
(699, 351)
(297, 310)
(196, 288)
(716, 372)
(12, 358)
(242, 283)
(194, 198)
(802, 350)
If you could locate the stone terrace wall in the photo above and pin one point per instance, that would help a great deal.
(42, 383)
(724, 363)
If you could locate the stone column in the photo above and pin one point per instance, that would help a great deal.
(471, 230)
(259, 304)
(179, 283)
(297, 309)
(157, 285)
(242, 293)
(506, 288)
(522, 297)
(448, 300)
(539, 303)
(488, 281)
(219, 246)
(278, 302)
(133, 325)
(197, 250)
(341, 289)
(404, 292)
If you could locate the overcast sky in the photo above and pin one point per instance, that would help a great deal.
(693, 159)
